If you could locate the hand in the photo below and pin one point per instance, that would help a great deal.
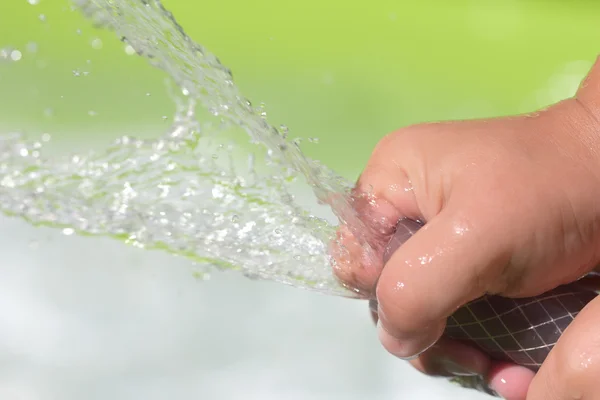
(512, 207)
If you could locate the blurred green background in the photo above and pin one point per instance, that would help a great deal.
(345, 72)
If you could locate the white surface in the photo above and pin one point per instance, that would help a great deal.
(91, 318)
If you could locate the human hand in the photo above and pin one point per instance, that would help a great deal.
(512, 209)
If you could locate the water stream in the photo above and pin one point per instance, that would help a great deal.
(188, 192)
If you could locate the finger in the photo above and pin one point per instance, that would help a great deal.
(428, 278)
(572, 368)
(452, 358)
(510, 381)
(351, 263)
(383, 195)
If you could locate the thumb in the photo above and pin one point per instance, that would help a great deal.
(572, 368)
(428, 278)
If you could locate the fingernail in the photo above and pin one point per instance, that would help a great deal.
(453, 368)
(510, 381)
(407, 349)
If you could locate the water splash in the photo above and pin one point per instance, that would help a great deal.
(186, 193)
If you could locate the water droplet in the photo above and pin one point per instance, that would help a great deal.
(76, 73)
(46, 137)
(68, 231)
(32, 47)
(5, 54)
(202, 275)
(148, 94)
(235, 219)
(215, 156)
(164, 117)
(24, 152)
(251, 275)
(97, 44)
(42, 17)
(284, 130)
(313, 140)
(92, 113)
(48, 112)
(15, 55)
(262, 109)
(33, 2)
(129, 50)
(78, 31)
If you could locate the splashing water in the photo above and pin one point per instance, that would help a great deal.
(186, 193)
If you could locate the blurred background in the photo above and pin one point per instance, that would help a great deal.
(95, 319)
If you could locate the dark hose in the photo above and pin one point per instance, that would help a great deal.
(522, 331)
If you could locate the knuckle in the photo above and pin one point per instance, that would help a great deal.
(407, 137)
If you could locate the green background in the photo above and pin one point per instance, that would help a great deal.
(345, 72)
